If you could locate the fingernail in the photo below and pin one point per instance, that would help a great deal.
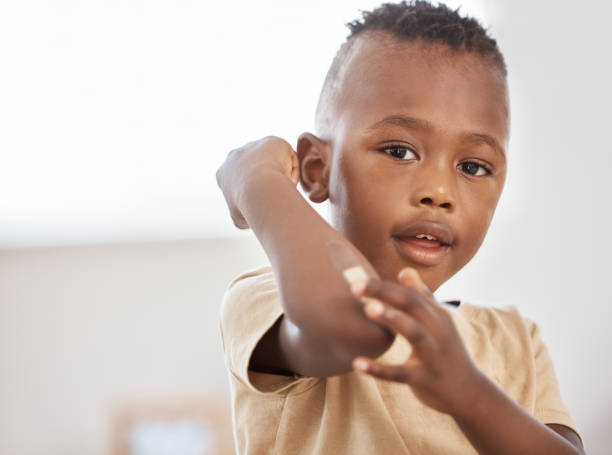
(360, 364)
(408, 271)
(375, 308)
(365, 300)
(358, 285)
(415, 278)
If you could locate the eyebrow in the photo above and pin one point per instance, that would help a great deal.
(411, 123)
(485, 139)
(402, 121)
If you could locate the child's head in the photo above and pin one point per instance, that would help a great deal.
(412, 125)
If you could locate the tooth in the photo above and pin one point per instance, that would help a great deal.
(425, 236)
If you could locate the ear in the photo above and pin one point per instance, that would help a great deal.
(314, 166)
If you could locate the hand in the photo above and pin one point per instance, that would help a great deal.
(269, 152)
(439, 369)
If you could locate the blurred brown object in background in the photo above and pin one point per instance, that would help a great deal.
(185, 426)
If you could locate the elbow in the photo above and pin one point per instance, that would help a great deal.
(362, 337)
(342, 333)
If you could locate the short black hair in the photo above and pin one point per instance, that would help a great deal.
(414, 21)
(420, 20)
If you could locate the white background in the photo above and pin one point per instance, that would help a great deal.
(114, 116)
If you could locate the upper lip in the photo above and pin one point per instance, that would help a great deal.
(438, 229)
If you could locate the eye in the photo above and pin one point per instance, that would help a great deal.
(397, 151)
(474, 168)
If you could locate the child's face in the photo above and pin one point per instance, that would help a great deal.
(456, 112)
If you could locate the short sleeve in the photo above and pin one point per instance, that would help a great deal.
(549, 406)
(251, 306)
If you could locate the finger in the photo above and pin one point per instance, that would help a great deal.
(295, 168)
(399, 322)
(400, 373)
(398, 296)
(409, 277)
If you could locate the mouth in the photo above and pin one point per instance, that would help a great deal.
(423, 242)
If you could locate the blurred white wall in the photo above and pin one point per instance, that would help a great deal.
(82, 328)
(85, 330)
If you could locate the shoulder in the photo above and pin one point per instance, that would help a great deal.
(503, 327)
(250, 307)
(250, 298)
(251, 277)
(507, 316)
(249, 284)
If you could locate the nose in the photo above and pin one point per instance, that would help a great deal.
(434, 190)
(433, 202)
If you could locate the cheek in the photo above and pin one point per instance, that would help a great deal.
(478, 214)
(364, 193)
(359, 205)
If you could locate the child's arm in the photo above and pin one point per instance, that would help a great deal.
(443, 376)
(324, 326)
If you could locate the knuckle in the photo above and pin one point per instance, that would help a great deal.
(410, 299)
(372, 285)
(280, 140)
(418, 335)
(401, 374)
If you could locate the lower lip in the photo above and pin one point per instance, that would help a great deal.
(425, 255)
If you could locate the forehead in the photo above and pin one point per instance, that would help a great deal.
(452, 92)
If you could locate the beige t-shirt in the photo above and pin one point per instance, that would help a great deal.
(355, 413)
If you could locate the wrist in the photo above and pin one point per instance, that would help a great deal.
(257, 183)
(476, 398)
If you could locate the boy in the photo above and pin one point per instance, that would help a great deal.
(412, 126)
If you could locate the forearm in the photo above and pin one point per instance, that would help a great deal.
(313, 293)
(497, 425)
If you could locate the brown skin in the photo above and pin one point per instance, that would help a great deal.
(372, 194)
(459, 111)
